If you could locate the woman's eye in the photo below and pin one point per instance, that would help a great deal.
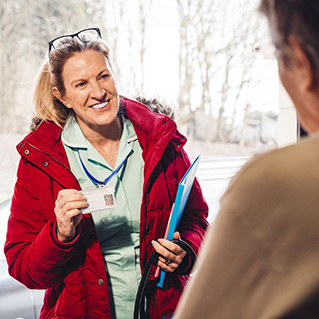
(80, 84)
(105, 76)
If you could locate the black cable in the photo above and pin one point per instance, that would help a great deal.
(139, 308)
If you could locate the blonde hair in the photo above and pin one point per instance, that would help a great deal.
(47, 106)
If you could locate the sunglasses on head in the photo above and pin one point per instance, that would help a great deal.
(85, 35)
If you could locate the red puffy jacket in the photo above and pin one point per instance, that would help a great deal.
(73, 273)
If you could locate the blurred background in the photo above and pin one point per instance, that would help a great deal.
(204, 58)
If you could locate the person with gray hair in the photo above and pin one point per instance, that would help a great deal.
(260, 258)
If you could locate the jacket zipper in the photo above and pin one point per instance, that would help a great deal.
(146, 228)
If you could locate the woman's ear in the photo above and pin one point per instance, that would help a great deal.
(58, 95)
(307, 72)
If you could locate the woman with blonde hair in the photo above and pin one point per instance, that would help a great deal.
(90, 145)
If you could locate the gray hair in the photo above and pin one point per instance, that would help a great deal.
(297, 18)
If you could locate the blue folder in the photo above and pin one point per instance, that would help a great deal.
(183, 190)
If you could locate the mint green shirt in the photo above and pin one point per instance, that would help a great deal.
(117, 228)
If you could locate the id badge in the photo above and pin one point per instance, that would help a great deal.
(100, 198)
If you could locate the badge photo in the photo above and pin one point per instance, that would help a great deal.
(100, 198)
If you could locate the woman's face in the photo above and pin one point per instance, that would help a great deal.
(90, 90)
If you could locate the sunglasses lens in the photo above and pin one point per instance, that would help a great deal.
(88, 35)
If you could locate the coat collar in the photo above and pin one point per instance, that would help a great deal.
(155, 127)
(154, 132)
(44, 149)
(45, 138)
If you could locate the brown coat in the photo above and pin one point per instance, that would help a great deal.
(261, 257)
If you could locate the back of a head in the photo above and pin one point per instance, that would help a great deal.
(297, 18)
(48, 107)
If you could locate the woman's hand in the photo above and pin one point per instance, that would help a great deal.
(171, 255)
(68, 212)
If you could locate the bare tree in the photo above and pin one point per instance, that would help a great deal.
(216, 41)
(12, 24)
(215, 58)
(144, 17)
(244, 34)
(26, 26)
(127, 34)
(187, 13)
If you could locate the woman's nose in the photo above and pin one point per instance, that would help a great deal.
(97, 91)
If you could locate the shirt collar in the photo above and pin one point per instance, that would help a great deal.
(73, 137)
(129, 130)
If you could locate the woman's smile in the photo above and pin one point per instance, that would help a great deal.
(101, 106)
(90, 90)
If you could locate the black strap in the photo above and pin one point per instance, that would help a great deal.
(139, 308)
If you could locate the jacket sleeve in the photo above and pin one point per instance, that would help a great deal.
(35, 256)
(193, 224)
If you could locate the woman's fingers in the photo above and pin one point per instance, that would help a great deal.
(62, 200)
(168, 262)
(76, 220)
(68, 211)
(73, 213)
(174, 248)
(176, 235)
(66, 192)
(69, 199)
(171, 255)
(169, 250)
(70, 206)
(167, 266)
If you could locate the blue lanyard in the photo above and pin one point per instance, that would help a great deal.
(96, 181)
